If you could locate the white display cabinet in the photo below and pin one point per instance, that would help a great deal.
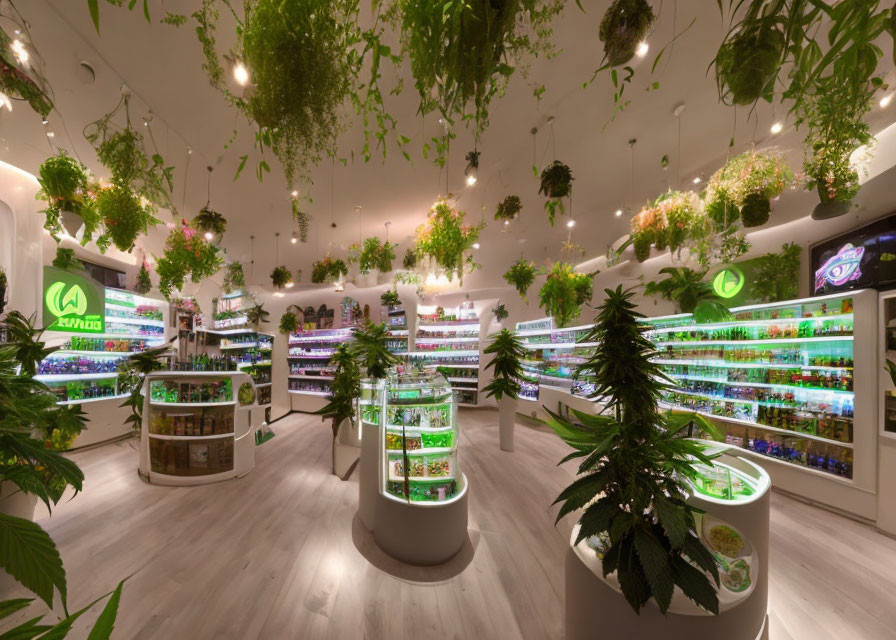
(886, 482)
(197, 427)
(793, 383)
(410, 469)
(309, 370)
(733, 497)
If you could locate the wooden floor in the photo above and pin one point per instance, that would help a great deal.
(280, 554)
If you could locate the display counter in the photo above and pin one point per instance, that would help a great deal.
(197, 427)
(409, 468)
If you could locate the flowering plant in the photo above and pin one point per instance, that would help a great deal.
(186, 254)
(748, 182)
(444, 238)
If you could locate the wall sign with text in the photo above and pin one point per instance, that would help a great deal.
(72, 303)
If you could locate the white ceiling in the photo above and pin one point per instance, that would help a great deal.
(162, 66)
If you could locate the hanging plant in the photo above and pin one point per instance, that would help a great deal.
(564, 292)
(65, 259)
(375, 254)
(500, 312)
(144, 283)
(389, 298)
(301, 219)
(66, 185)
(328, 270)
(623, 27)
(234, 278)
(4, 286)
(186, 254)
(776, 276)
(648, 227)
(280, 277)
(521, 275)
(748, 182)
(679, 211)
(289, 323)
(556, 184)
(509, 208)
(462, 54)
(749, 60)
(124, 217)
(304, 62)
(445, 240)
(410, 259)
(256, 315)
(210, 221)
(22, 80)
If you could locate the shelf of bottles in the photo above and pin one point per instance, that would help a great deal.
(396, 328)
(447, 340)
(308, 359)
(85, 368)
(191, 425)
(552, 357)
(778, 379)
(888, 393)
(419, 417)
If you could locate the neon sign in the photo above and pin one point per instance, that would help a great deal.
(728, 282)
(72, 303)
(840, 268)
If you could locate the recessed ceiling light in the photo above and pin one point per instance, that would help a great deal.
(777, 128)
(209, 235)
(295, 238)
(642, 50)
(471, 180)
(697, 180)
(618, 212)
(571, 224)
(277, 294)
(475, 245)
(886, 100)
(50, 134)
(295, 194)
(506, 222)
(290, 285)
(5, 101)
(241, 74)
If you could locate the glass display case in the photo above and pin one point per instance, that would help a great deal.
(777, 379)
(418, 419)
(195, 426)
(552, 357)
(447, 339)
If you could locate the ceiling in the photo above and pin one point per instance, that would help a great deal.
(162, 67)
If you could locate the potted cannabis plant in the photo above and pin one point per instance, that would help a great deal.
(500, 312)
(345, 388)
(521, 275)
(507, 350)
(630, 484)
(368, 346)
(564, 292)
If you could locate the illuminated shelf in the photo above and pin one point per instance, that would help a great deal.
(249, 365)
(559, 345)
(92, 354)
(758, 403)
(461, 325)
(545, 332)
(120, 396)
(748, 323)
(423, 451)
(446, 353)
(726, 364)
(187, 405)
(455, 379)
(217, 436)
(305, 376)
(420, 339)
(398, 427)
(242, 345)
(421, 478)
(454, 366)
(302, 392)
(148, 322)
(761, 385)
(73, 377)
(693, 343)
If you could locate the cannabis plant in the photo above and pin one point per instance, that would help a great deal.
(632, 470)
(345, 388)
(280, 277)
(508, 351)
(256, 314)
(131, 374)
(368, 346)
(686, 289)
(508, 209)
(500, 312)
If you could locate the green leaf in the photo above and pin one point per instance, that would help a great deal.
(102, 630)
(146, 10)
(580, 493)
(29, 555)
(695, 585)
(94, 7)
(239, 170)
(673, 519)
(596, 519)
(9, 607)
(631, 576)
(656, 561)
(26, 631)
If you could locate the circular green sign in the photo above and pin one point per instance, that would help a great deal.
(728, 282)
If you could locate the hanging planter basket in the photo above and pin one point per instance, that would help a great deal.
(71, 222)
(830, 209)
(623, 27)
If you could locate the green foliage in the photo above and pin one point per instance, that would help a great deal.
(445, 239)
(507, 350)
(747, 182)
(209, 221)
(748, 62)
(255, 315)
(564, 292)
(124, 218)
(776, 276)
(65, 259)
(3, 287)
(462, 54)
(131, 373)
(500, 312)
(280, 277)
(410, 259)
(24, 336)
(368, 347)
(376, 254)
(632, 469)
(509, 208)
(344, 388)
(289, 322)
(234, 279)
(301, 219)
(187, 253)
(144, 283)
(623, 27)
(93, 6)
(389, 298)
(521, 275)
(66, 185)
(556, 184)
(686, 289)
(328, 269)
(22, 81)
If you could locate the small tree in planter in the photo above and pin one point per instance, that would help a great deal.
(633, 464)
(344, 390)
(505, 386)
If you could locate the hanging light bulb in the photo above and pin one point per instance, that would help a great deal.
(5, 101)
(19, 51)
(776, 128)
(618, 213)
(886, 100)
(471, 180)
(241, 74)
(475, 245)
(642, 49)
(295, 237)
(571, 224)
(209, 235)
(290, 284)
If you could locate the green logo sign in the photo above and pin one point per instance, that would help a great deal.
(72, 303)
(728, 282)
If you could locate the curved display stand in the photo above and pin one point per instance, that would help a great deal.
(197, 427)
(734, 493)
(412, 493)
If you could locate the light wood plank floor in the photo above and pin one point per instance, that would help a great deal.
(280, 555)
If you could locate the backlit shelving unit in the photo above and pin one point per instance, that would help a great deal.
(552, 357)
(309, 372)
(397, 330)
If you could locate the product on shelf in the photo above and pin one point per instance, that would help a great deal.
(205, 422)
(553, 356)
(68, 365)
(204, 362)
(79, 390)
(177, 391)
